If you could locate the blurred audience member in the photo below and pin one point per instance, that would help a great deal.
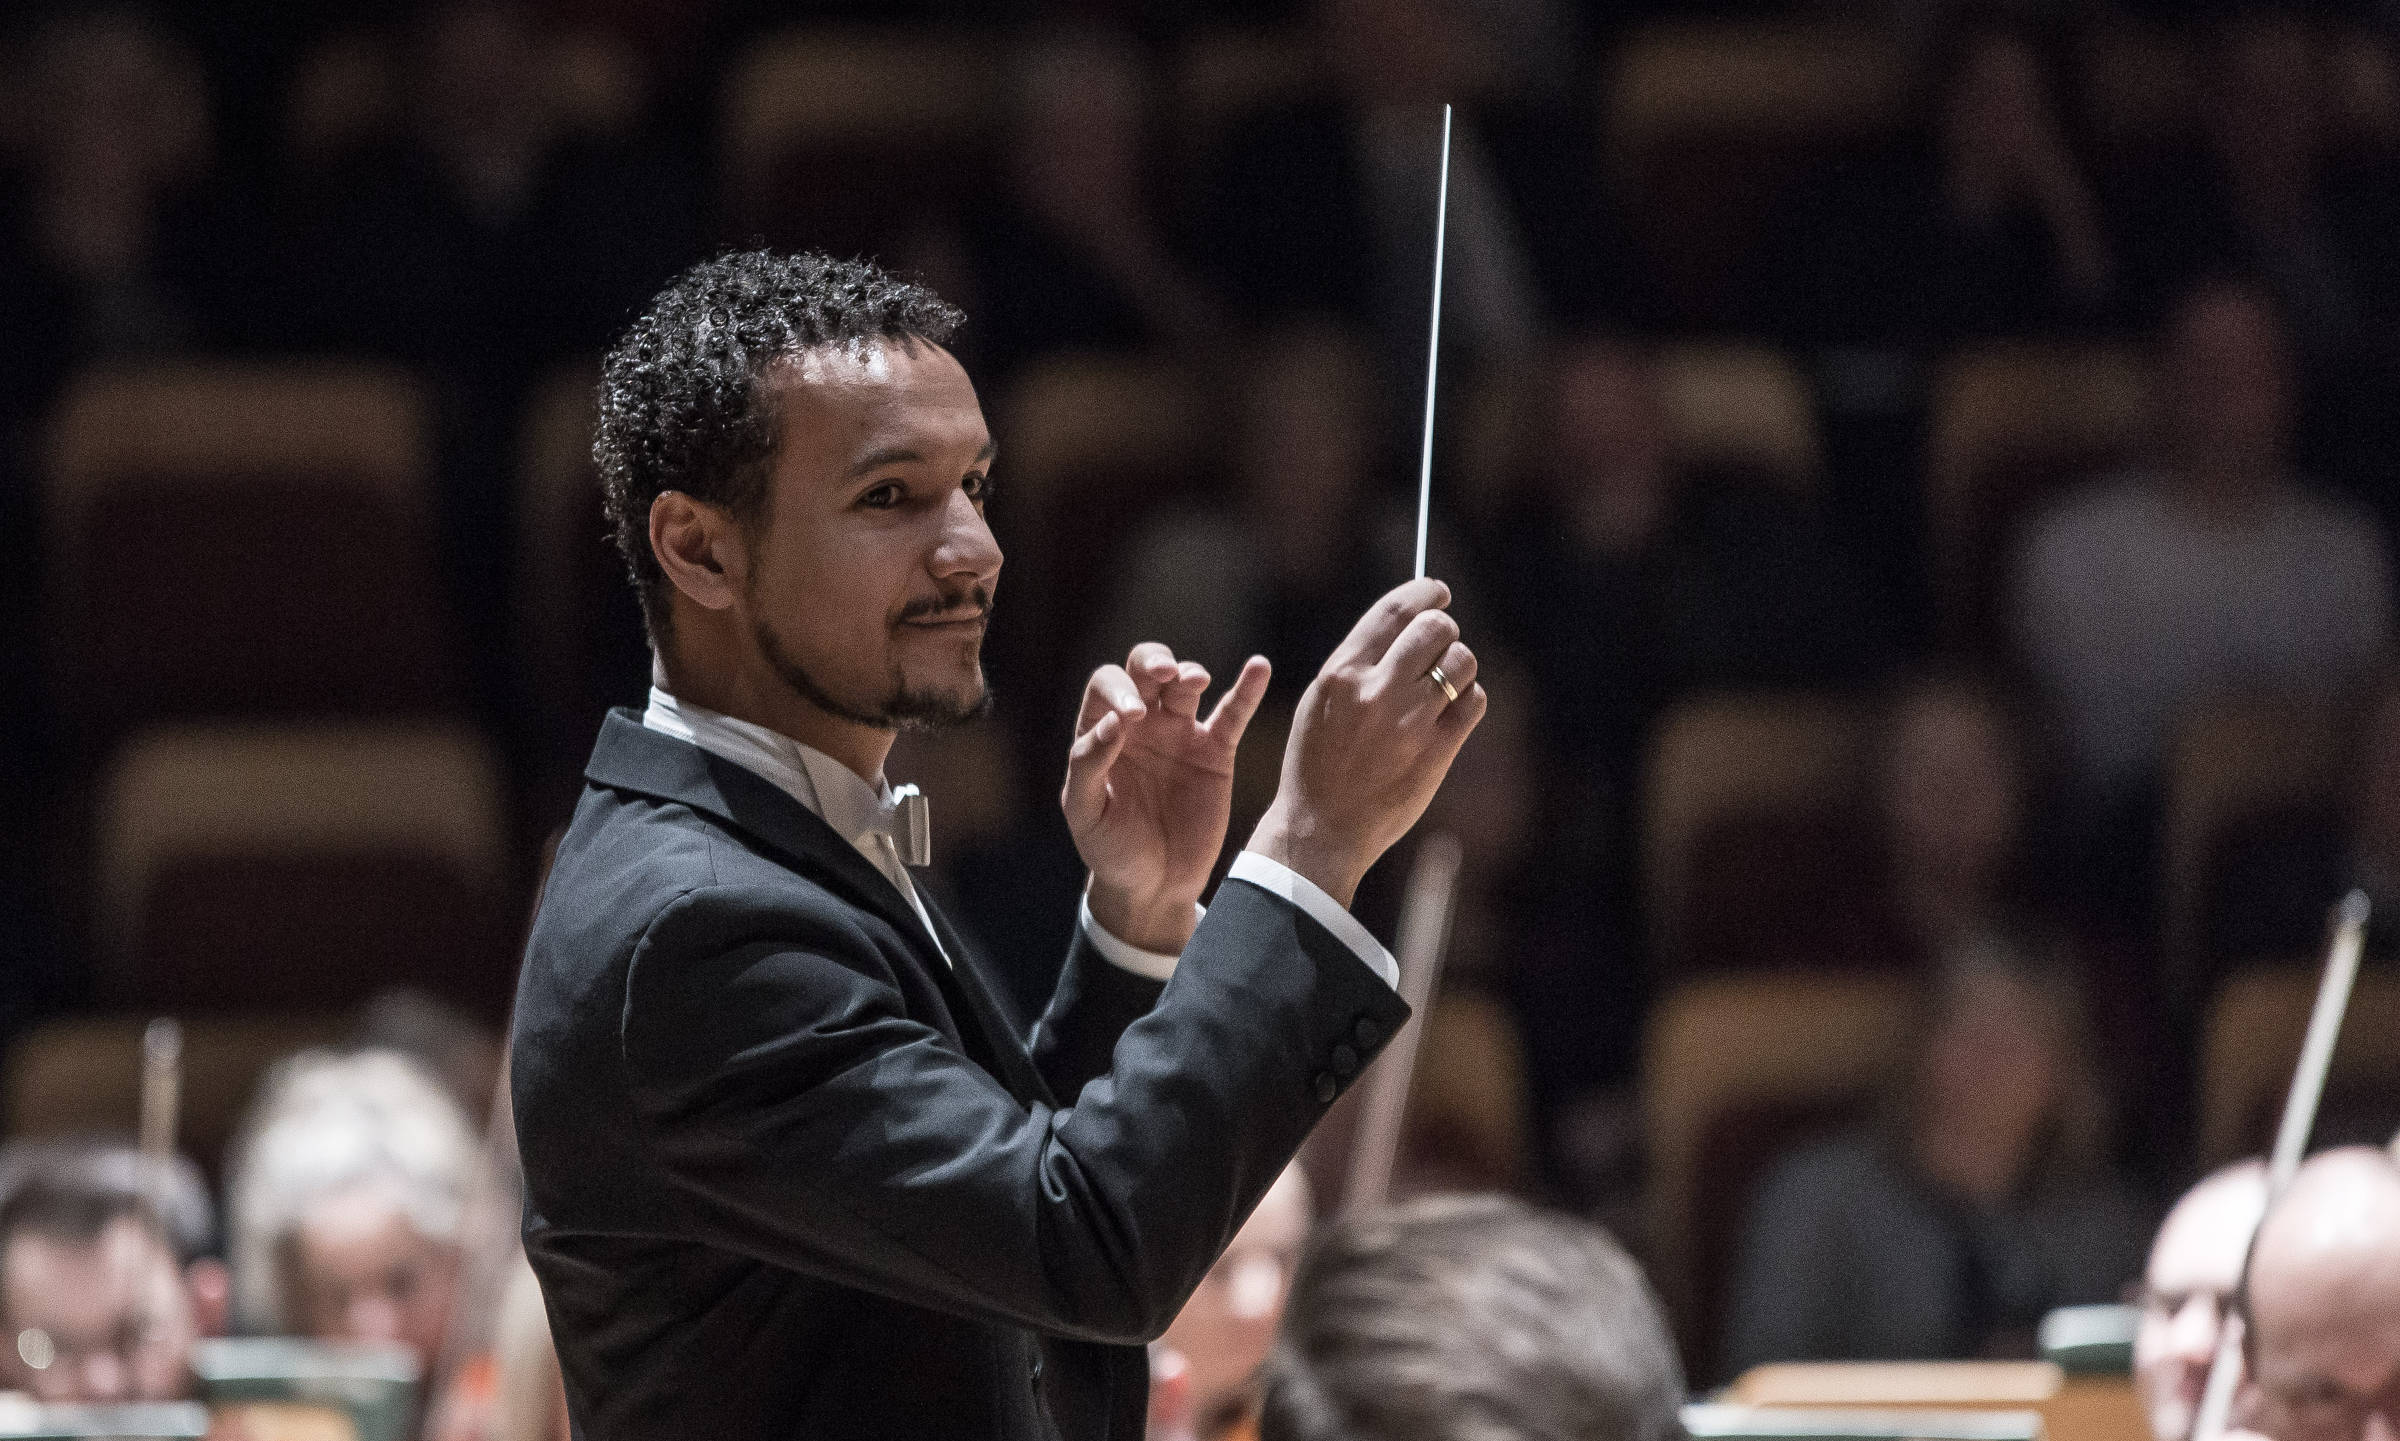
(100, 1300)
(1205, 1368)
(1073, 253)
(2278, 880)
(1985, 1201)
(114, 240)
(1952, 788)
(1330, 202)
(345, 1194)
(1980, 223)
(2321, 1295)
(1628, 580)
(2195, 1267)
(1463, 1317)
(1291, 554)
(2269, 187)
(2220, 568)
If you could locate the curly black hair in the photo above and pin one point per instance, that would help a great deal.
(683, 404)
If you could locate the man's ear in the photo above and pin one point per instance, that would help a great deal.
(699, 547)
(211, 1288)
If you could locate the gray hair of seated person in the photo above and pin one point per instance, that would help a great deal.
(326, 1123)
(1470, 1318)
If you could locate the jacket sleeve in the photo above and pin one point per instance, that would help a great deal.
(804, 1119)
(1075, 1041)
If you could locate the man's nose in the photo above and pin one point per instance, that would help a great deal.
(968, 549)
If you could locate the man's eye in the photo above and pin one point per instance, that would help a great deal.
(882, 497)
(978, 486)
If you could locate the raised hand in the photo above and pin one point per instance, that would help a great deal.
(1374, 736)
(1149, 789)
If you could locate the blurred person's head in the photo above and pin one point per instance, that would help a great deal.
(1601, 446)
(98, 1302)
(1221, 1336)
(1306, 438)
(796, 468)
(458, 1050)
(2005, 1091)
(2265, 105)
(120, 117)
(1459, 1317)
(1082, 118)
(1952, 795)
(476, 99)
(345, 1194)
(2229, 392)
(2321, 1295)
(1993, 100)
(2188, 1288)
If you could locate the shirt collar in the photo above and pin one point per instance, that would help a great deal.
(844, 800)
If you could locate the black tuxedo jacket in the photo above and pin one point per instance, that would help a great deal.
(788, 1174)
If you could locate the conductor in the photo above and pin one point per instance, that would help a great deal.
(789, 1171)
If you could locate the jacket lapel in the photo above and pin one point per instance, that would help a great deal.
(1020, 1075)
(630, 756)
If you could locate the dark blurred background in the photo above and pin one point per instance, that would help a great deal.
(1921, 477)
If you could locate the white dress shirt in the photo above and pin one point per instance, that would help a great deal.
(853, 806)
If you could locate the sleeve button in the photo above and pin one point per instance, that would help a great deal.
(1326, 1087)
(1345, 1061)
(1366, 1033)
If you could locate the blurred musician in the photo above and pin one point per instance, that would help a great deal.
(102, 1287)
(2322, 1298)
(2187, 1290)
(789, 1170)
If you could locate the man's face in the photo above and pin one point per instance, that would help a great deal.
(871, 568)
(2193, 1269)
(360, 1271)
(96, 1321)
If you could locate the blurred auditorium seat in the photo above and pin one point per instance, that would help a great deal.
(246, 866)
(2235, 761)
(347, 90)
(2250, 1045)
(578, 636)
(82, 1075)
(244, 539)
(1732, 409)
(1756, 846)
(1737, 1070)
(2012, 423)
(1744, 409)
(1469, 1112)
(1706, 126)
(846, 140)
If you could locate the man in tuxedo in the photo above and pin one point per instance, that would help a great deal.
(789, 1171)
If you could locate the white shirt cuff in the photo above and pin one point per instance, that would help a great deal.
(1123, 954)
(1273, 875)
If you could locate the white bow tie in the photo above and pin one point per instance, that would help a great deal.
(901, 819)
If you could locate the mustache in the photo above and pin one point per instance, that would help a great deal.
(978, 601)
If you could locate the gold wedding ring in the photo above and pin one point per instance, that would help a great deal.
(1435, 675)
